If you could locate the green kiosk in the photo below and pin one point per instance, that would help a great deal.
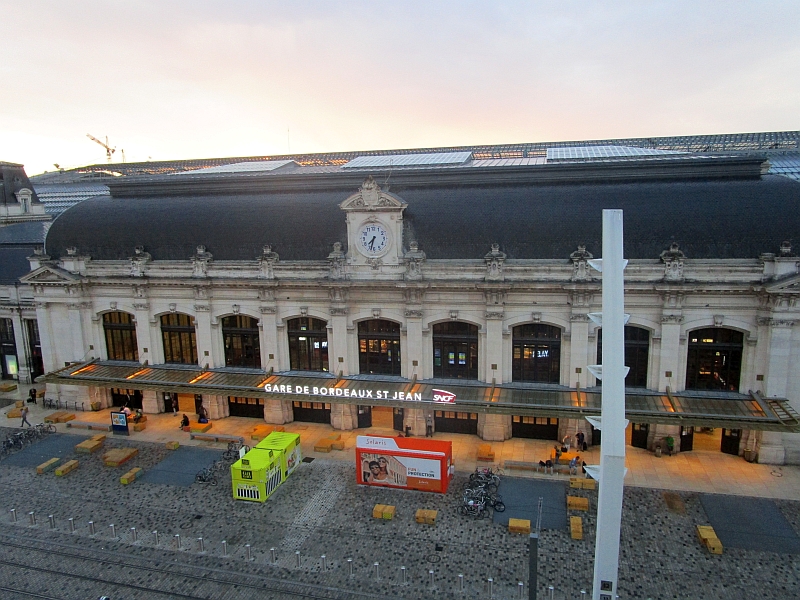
(258, 473)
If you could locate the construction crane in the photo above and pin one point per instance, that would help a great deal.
(109, 149)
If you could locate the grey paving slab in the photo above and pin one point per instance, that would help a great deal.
(54, 445)
(750, 524)
(521, 497)
(180, 466)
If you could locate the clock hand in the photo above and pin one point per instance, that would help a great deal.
(371, 244)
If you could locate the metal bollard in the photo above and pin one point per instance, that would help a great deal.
(490, 581)
(377, 572)
(551, 591)
(430, 574)
(297, 558)
(32, 517)
(224, 548)
(272, 555)
(91, 527)
(178, 541)
(71, 525)
(404, 575)
(113, 532)
(460, 582)
(133, 534)
(155, 535)
(350, 566)
(323, 563)
(201, 544)
(13, 512)
(52, 520)
(583, 594)
(521, 588)
(247, 551)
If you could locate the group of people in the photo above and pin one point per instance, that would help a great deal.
(130, 415)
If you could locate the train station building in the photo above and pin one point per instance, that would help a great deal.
(444, 286)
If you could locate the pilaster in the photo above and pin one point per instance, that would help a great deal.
(670, 353)
(344, 416)
(205, 345)
(494, 427)
(152, 402)
(493, 346)
(579, 343)
(278, 411)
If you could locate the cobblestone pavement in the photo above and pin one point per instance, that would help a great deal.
(320, 510)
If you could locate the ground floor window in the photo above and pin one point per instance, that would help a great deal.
(449, 421)
(120, 397)
(537, 428)
(312, 412)
(246, 407)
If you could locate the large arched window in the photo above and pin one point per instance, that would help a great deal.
(714, 360)
(180, 340)
(379, 347)
(637, 352)
(8, 350)
(537, 353)
(242, 349)
(455, 350)
(308, 344)
(120, 330)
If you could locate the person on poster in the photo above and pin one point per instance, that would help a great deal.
(384, 465)
(377, 475)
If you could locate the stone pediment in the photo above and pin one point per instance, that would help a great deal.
(370, 197)
(788, 285)
(47, 274)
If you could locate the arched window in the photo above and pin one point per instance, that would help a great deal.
(379, 347)
(455, 350)
(308, 344)
(714, 360)
(120, 330)
(637, 352)
(242, 349)
(8, 350)
(180, 339)
(537, 353)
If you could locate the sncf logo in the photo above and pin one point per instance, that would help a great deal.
(443, 396)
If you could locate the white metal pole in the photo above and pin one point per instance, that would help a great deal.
(612, 447)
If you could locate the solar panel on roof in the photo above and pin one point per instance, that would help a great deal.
(409, 160)
(242, 167)
(592, 152)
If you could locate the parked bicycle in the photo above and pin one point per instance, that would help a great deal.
(232, 453)
(473, 508)
(491, 499)
(206, 476)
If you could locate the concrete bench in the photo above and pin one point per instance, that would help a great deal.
(46, 466)
(68, 466)
(199, 427)
(89, 446)
(60, 416)
(383, 511)
(523, 465)
(216, 437)
(576, 528)
(89, 425)
(323, 445)
(425, 516)
(8, 387)
(485, 453)
(519, 526)
(131, 476)
(577, 503)
(118, 456)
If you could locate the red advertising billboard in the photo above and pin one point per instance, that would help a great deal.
(410, 463)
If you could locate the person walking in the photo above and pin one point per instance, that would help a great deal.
(175, 406)
(429, 426)
(24, 414)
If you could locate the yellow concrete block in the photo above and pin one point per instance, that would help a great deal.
(19, 404)
(323, 445)
(51, 418)
(14, 413)
(388, 512)
(100, 437)
(173, 445)
(199, 427)
(88, 446)
(118, 456)
(337, 445)
(8, 387)
(64, 417)
(425, 516)
(334, 436)
(519, 526)
(46, 466)
(589, 484)
(576, 482)
(377, 511)
(577, 503)
(68, 466)
(576, 528)
(140, 426)
(131, 476)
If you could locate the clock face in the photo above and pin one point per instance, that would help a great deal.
(373, 239)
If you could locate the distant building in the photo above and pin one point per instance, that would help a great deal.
(382, 288)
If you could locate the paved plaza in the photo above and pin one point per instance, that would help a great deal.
(321, 511)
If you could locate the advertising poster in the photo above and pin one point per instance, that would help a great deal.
(405, 463)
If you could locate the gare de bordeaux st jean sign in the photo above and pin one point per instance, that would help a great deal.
(441, 396)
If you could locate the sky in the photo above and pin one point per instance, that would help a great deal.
(177, 79)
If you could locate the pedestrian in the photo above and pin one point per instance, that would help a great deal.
(175, 405)
(32, 396)
(429, 426)
(24, 414)
(581, 439)
(573, 465)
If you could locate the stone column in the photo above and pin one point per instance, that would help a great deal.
(205, 344)
(152, 401)
(494, 427)
(103, 396)
(144, 338)
(493, 346)
(578, 354)
(217, 406)
(278, 411)
(670, 354)
(268, 339)
(413, 349)
(415, 418)
(344, 416)
(337, 341)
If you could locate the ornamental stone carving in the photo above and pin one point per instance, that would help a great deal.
(375, 262)
(494, 263)
(413, 260)
(674, 319)
(777, 323)
(200, 262)
(267, 262)
(338, 294)
(579, 318)
(173, 307)
(235, 308)
(267, 310)
(336, 261)
(454, 315)
(376, 313)
(266, 294)
(303, 311)
(580, 264)
(370, 197)
(202, 307)
(338, 311)
(494, 315)
(139, 261)
(673, 260)
(413, 314)
(536, 317)
(141, 306)
(718, 320)
(112, 305)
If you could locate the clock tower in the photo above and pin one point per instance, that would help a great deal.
(374, 228)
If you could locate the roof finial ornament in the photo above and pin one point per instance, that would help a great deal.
(673, 260)
(580, 261)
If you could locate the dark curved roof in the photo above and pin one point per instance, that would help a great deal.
(726, 218)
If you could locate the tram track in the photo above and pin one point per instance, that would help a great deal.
(88, 563)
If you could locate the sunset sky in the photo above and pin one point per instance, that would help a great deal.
(193, 79)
